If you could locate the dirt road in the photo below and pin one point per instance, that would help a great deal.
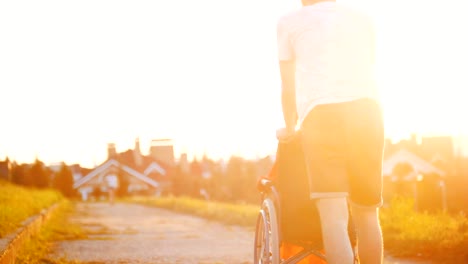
(130, 233)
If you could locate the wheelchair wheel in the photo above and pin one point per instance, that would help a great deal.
(267, 248)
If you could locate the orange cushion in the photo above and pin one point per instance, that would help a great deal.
(288, 250)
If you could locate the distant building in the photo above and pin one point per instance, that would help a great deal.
(111, 151)
(419, 168)
(138, 174)
(5, 170)
(162, 149)
(438, 150)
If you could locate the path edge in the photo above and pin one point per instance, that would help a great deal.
(29, 228)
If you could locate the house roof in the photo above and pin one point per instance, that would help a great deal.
(108, 164)
(404, 156)
(147, 163)
(154, 166)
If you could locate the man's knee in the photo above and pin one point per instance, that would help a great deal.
(333, 210)
(364, 211)
(365, 216)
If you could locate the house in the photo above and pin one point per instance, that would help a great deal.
(434, 154)
(5, 170)
(163, 150)
(94, 182)
(78, 172)
(419, 166)
(136, 173)
(407, 174)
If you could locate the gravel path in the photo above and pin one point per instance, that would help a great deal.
(130, 233)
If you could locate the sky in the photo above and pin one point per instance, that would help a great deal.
(77, 75)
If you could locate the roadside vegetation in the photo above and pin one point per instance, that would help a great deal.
(438, 236)
(18, 203)
(36, 249)
(227, 213)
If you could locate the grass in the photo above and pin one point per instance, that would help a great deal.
(18, 203)
(36, 249)
(227, 213)
(438, 236)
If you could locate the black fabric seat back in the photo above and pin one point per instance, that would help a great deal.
(299, 217)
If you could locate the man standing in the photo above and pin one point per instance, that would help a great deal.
(112, 183)
(326, 54)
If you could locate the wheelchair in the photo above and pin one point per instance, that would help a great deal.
(287, 215)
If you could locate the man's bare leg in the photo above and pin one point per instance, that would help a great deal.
(111, 196)
(334, 217)
(369, 234)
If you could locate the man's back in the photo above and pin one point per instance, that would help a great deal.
(333, 48)
(326, 57)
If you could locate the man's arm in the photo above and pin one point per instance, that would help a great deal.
(288, 94)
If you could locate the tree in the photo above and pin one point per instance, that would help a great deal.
(235, 177)
(179, 179)
(17, 174)
(39, 174)
(63, 181)
(251, 193)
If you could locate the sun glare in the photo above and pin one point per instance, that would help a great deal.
(207, 79)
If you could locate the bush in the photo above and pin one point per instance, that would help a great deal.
(409, 233)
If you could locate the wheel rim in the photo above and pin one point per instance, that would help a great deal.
(265, 243)
(262, 243)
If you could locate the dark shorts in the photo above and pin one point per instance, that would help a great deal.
(343, 147)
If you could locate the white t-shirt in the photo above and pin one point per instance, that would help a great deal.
(334, 51)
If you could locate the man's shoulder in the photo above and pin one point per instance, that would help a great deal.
(355, 12)
(289, 17)
(306, 13)
(294, 18)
